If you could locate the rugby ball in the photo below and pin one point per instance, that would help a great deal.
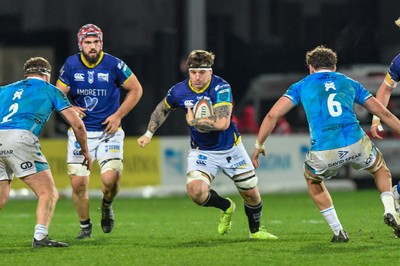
(203, 108)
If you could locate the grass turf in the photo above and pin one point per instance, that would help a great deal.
(174, 231)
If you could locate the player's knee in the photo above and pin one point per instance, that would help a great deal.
(112, 165)
(197, 185)
(197, 176)
(78, 170)
(246, 181)
(378, 164)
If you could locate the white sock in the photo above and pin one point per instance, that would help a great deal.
(396, 193)
(40, 232)
(332, 219)
(387, 199)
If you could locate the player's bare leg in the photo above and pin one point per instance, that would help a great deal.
(80, 197)
(111, 185)
(43, 186)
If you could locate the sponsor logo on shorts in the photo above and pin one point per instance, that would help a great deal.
(6, 152)
(342, 161)
(200, 162)
(112, 148)
(76, 152)
(240, 164)
(342, 154)
(26, 165)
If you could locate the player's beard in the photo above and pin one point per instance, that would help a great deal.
(90, 58)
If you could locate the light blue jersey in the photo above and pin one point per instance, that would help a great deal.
(328, 99)
(28, 104)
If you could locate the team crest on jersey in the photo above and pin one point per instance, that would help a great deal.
(90, 77)
(329, 85)
(102, 77)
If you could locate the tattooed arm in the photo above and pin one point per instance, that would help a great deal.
(157, 118)
(220, 121)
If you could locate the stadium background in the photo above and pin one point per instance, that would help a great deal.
(251, 38)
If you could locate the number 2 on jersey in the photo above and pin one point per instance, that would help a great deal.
(13, 109)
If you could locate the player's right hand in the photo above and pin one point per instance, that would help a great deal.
(143, 141)
(87, 160)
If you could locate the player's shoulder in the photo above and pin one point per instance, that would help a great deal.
(73, 59)
(111, 59)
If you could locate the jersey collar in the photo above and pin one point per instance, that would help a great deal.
(86, 63)
(201, 90)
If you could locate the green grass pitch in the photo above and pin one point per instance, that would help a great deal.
(174, 231)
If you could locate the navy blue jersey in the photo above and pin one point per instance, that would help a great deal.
(95, 88)
(219, 92)
(393, 74)
(28, 104)
(328, 99)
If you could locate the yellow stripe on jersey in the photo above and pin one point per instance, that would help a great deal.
(389, 81)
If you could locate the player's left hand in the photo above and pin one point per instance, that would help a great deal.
(112, 124)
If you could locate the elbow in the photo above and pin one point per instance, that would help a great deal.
(221, 125)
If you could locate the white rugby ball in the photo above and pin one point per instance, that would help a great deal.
(203, 108)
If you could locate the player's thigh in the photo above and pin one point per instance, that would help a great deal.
(41, 183)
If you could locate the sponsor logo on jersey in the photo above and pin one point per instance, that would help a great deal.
(218, 87)
(102, 77)
(90, 102)
(224, 96)
(79, 77)
(188, 103)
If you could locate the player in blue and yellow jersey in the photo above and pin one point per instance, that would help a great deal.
(93, 80)
(336, 137)
(383, 94)
(25, 107)
(215, 144)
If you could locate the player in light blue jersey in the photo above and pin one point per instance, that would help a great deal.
(383, 94)
(215, 144)
(93, 80)
(336, 138)
(25, 107)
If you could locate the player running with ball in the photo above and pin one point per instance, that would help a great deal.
(215, 144)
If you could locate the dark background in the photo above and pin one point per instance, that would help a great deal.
(249, 38)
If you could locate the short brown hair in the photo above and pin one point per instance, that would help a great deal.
(321, 57)
(37, 65)
(199, 59)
